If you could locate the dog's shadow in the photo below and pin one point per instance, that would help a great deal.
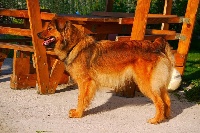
(177, 104)
(115, 102)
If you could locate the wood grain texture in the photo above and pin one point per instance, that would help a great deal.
(40, 52)
(140, 19)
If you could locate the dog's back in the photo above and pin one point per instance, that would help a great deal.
(112, 63)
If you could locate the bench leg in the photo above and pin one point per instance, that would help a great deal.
(3, 56)
(21, 77)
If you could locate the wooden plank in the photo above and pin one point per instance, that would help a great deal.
(22, 47)
(21, 62)
(16, 40)
(3, 56)
(167, 10)
(24, 14)
(140, 20)
(105, 28)
(147, 37)
(109, 5)
(56, 75)
(15, 31)
(154, 20)
(21, 67)
(14, 13)
(16, 47)
(47, 16)
(24, 81)
(112, 14)
(187, 29)
(12, 25)
(160, 32)
(179, 59)
(39, 50)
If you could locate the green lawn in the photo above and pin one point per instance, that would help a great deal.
(192, 72)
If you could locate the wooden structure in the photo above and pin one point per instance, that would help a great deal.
(49, 70)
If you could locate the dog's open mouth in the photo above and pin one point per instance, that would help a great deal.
(48, 41)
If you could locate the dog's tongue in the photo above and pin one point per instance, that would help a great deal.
(48, 41)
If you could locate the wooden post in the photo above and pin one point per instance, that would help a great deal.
(186, 32)
(3, 56)
(21, 77)
(39, 50)
(167, 11)
(109, 5)
(140, 20)
(138, 32)
(56, 75)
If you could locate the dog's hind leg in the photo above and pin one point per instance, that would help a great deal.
(167, 102)
(155, 96)
(159, 105)
(87, 91)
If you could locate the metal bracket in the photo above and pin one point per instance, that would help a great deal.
(18, 54)
(180, 37)
(184, 20)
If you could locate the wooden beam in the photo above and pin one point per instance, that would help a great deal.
(147, 37)
(154, 19)
(159, 32)
(112, 14)
(167, 11)
(140, 20)
(187, 29)
(15, 31)
(24, 14)
(39, 50)
(109, 5)
(16, 46)
(56, 75)
(16, 40)
(105, 28)
(21, 67)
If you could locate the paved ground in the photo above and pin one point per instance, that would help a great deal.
(24, 111)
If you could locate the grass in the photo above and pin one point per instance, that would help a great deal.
(192, 73)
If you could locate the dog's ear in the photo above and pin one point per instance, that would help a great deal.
(60, 24)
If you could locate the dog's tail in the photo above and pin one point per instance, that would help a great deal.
(164, 47)
(169, 54)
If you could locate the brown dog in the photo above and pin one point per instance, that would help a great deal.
(94, 64)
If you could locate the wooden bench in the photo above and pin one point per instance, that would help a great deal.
(49, 70)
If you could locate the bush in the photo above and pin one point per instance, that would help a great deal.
(193, 94)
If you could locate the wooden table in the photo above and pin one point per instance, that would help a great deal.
(48, 74)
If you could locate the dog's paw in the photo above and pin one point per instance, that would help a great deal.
(74, 114)
(155, 120)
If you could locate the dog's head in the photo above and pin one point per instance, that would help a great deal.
(61, 35)
(53, 33)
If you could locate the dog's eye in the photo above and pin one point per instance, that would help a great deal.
(49, 28)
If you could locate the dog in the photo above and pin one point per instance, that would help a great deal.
(94, 64)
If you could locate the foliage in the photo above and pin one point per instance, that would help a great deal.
(193, 94)
(192, 73)
(128, 6)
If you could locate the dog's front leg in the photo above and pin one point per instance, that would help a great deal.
(87, 91)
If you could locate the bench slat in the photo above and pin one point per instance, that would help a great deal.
(15, 31)
(16, 46)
